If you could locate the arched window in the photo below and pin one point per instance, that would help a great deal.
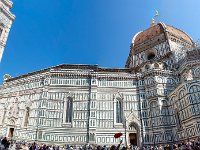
(26, 117)
(173, 100)
(181, 94)
(40, 135)
(178, 119)
(194, 88)
(150, 81)
(119, 111)
(69, 110)
(197, 72)
(132, 127)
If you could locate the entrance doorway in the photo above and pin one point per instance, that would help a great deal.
(11, 132)
(133, 139)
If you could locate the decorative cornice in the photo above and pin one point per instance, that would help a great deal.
(73, 70)
(7, 12)
(154, 72)
(8, 3)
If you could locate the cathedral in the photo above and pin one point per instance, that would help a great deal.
(154, 99)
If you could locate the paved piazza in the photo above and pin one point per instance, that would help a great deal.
(155, 99)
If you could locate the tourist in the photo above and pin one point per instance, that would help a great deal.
(79, 148)
(50, 147)
(33, 146)
(71, 147)
(37, 147)
(5, 143)
(104, 148)
(98, 147)
(67, 147)
(113, 147)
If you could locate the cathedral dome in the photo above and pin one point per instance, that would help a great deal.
(159, 29)
(159, 36)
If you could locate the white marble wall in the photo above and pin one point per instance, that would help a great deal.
(46, 99)
(6, 19)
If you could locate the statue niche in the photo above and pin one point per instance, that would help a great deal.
(14, 110)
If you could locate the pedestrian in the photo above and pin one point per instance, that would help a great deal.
(5, 143)
(113, 147)
(33, 146)
(104, 148)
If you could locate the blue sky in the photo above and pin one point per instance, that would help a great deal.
(51, 32)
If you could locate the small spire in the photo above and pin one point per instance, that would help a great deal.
(156, 14)
(153, 22)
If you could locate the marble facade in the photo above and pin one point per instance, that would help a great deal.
(6, 20)
(155, 99)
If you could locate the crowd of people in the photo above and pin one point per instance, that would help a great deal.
(187, 145)
(10, 145)
(6, 145)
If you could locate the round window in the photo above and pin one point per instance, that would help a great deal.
(151, 56)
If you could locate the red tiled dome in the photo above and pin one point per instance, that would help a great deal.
(158, 29)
